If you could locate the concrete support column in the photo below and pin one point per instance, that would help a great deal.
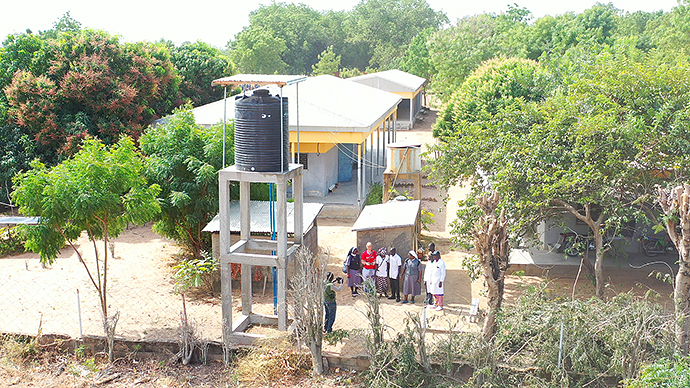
(281, 224)
(395, 132)
(225, 272)
(245, 234)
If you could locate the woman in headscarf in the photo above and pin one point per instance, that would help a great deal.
(354, 268)
(412, 276)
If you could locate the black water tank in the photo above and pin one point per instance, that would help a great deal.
(258, 134)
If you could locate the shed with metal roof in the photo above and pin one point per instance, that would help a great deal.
(394, 224)
(260, 216)
(408, 86)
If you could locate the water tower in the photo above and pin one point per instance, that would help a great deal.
(261, 156)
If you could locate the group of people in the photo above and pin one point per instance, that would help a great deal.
(386, 270)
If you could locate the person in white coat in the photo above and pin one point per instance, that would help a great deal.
(437, 278)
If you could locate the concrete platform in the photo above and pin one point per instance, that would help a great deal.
(535, 262)
(340, 203)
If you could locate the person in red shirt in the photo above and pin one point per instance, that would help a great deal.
(368, 266)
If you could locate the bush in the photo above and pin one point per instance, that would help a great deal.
(375, 195)
(601, 339)
(193, 273)
(663, 374)
(11, 241)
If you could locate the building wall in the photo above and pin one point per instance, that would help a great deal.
(549, 233)
(321, 173)
(403, 239)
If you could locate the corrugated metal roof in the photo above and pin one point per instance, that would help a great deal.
(326, 104)
(259, 79)
(260, 217)
(5, 221)
(396, 81)
(393, 214)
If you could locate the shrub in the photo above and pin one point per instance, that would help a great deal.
(194, 273)
(11, 241)
(375, 195)
(663, 374)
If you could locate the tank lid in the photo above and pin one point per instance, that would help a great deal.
(262, 92)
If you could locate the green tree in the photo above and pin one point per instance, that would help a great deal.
(198, 64)
(183, 158)
(98, 192)
(16, 152)
(589, 150)
(256, 50)
(24, 52)
(303, 29)
(328, 63)
(455, 52)
(388, 26)
(89, 84)
(416, 59)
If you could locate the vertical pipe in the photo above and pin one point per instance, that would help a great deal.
(282, 136)
(359, 176)
(281, 225)
(245, 234)
(297, 119)
(225, 120)
(272, 220)
(81, 332)
(560, 345)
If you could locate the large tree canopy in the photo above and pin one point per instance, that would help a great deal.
(592, 149)
(198, 64)
(85, 83)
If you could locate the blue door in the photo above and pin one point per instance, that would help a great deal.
(346, 157)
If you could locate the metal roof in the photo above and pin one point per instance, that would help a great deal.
(392, 214)
(396, 81)
(326, 104)
(7, 221)
(258, 79)
(260, 217)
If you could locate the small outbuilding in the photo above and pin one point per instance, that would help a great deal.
(391, 224)
(408, 86)
(261, 224)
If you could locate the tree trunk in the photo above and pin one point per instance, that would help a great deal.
(676, 205)
(681, 296)
(316, 358)
(495, 297)
(595, 227)
(491, 241)
(599, 263)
